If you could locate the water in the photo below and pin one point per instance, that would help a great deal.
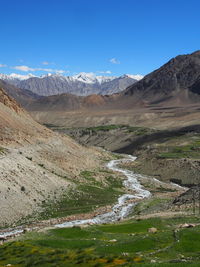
(119, 211)
(123, 208)
(11, 233)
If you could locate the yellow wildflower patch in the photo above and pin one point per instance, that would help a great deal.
(137, 259)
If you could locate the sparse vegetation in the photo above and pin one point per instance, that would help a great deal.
(152, 205)
(172, 158)
(86, 197)
(41, 165)
(139, 130)
(183, 151)
(111, 137)
(1, 149)
(23, 189)
(103, 128)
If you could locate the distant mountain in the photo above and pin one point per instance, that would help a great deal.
(14, 78)
(23, 97)
(91, 78)
(171, 90)
(118, 84)
(82, 84)
(176, 82)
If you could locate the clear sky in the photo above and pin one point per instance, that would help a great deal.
(113, 36)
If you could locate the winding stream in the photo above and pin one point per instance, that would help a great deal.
(122, 208)
(119, 211)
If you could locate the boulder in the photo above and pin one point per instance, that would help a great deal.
(153, 230)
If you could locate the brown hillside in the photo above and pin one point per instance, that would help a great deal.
(16, 125)
(9, 102)
(36, 164)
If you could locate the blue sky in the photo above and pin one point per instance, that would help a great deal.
(113, 36)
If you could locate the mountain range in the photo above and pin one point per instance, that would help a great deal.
(176, 83)
(169, 94)
(82, 84)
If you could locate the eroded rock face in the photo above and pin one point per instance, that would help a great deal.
(9, 102)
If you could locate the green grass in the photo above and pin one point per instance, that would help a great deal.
(191, 150)
(139, 226)
(139, 130)
(90, 177)
(189, 241)
(104, 128)
(151, 205)
(86, 197)
(93, 246)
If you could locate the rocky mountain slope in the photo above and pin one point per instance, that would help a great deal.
(37, 166)
(81, 84)
(23, 97)
(175, 83)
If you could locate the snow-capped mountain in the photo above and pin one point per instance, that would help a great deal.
(79, 84)
(135, 77)
(15, 76)
(92, 78)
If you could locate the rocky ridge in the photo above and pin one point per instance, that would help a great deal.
(82, 84)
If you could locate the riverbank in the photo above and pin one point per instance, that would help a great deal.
(174, 241)
(119, 211)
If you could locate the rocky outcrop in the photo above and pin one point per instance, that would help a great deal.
(190, 196)
(9, 102)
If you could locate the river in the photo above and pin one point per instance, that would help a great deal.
(119, 211)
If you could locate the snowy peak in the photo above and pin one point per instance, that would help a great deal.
(90, 77)
(51, 75)
(80, 84)
(14, 76)
(105, 79)
(21, 77)
(133, 76)
(85, 77)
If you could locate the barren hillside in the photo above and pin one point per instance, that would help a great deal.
(36, 165)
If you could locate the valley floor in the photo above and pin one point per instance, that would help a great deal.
(147, 242)
(139, 240)
(161, 230)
